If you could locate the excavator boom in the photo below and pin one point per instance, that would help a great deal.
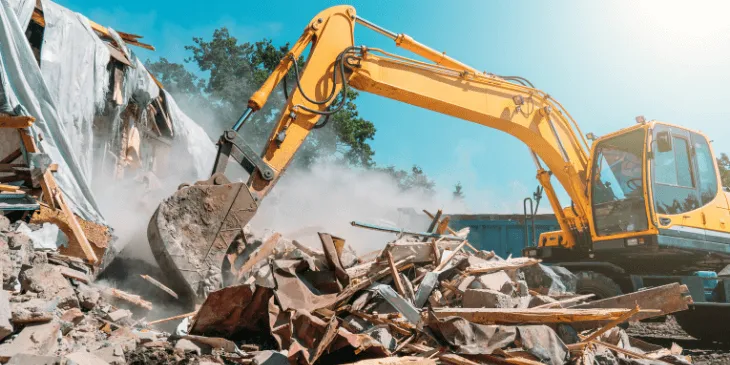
(194, 234)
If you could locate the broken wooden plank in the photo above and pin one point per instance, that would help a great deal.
(78, 233)
(529, 315)
(160, 285)
(179, 316)
(627, 352)
(624, 317)
(126, 297)
(395, 274)
(494, 266)
(262, 252)
(15, 121)
(10, 188)
(12, 156)
(74, 274)
(366, 282)
(445, 262)
(451, 231)
(666, 299)
(562, 303)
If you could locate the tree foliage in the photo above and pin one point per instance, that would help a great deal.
(234, 71)
(415, 179)
(458, 193)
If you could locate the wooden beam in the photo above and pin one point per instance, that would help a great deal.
(78, 233)
(529, 315)
(15, 121)
(11, 188)
(12, 156)
(624, 317)
(263, 251)
(450, 230)
(561, 303)
(627, 352)
(48, 183)
(396, 275)
(445, 262)
(494, 266)
(666, 299)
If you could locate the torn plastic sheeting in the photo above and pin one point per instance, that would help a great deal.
(49, 237)
(399, 303)
(24, 92)
(469, 338)
(23, 11)
(73, 63)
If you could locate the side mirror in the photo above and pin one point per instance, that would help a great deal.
(664, 141)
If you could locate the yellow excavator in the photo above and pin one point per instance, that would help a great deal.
(647, 206)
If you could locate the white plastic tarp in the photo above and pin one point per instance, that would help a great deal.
(73, 63)
(24, 92)
(23, 11)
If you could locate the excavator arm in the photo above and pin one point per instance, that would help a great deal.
(443, 85)
(334, 63)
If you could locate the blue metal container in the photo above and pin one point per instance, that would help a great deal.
(502, 233)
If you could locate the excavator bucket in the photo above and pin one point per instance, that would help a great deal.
(191, 231)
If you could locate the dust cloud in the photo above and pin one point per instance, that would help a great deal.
(327, 197)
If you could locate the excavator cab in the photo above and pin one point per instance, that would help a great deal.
(654, 189)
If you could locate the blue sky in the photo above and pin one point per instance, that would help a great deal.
(606, 62)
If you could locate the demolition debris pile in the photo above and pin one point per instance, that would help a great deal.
(425, 298)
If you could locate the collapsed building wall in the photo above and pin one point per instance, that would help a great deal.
(98, 113)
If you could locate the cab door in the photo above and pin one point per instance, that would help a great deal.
(714, 209)
(675, 187)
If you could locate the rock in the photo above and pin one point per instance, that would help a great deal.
(84, 358)
(40, 339)
(33, 311)
(493, 281)
(18, 240)
(5, 314)
(486, 298)
(4, 223)
(49, 283)
(119, 315)
(187, 346)
(146, 336)
(550, 280)
(88, 296)
(28, 359)
(114, 355)
(124, 338)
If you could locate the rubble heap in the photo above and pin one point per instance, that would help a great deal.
(423, 299)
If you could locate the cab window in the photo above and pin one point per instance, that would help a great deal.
(705, 168)
(673, 174)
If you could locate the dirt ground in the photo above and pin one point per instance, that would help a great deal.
(664, 333)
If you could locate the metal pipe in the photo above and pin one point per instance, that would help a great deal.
(376, 28)
(242, 119)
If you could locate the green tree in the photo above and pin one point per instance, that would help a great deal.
(458, 191)
(415, 179)
(236, 70)
(723, 164)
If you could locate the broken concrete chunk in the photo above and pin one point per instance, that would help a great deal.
(486, 298)
(49, 283)
(540, 299)
(493, 281)
(84, 358)
(549, 280)
(4, 223)
(119, 315)
(114, 355)
(187, 346)
(88, 296)
(5, 327)
(28, 359)
(33, 311)
(40, 339)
